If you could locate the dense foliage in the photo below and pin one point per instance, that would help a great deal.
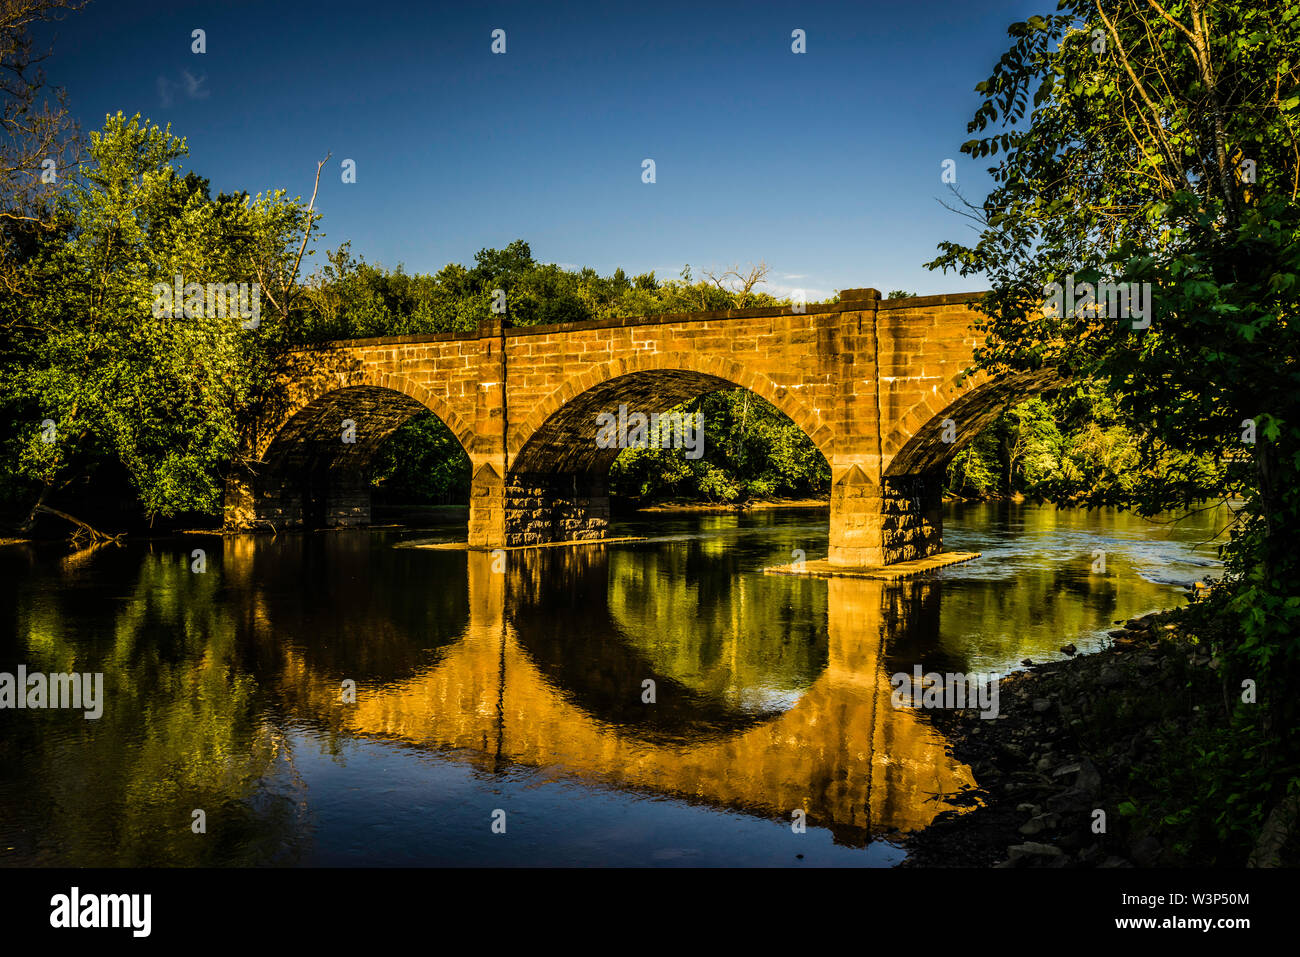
(350, 298)
(91, 372)
(1071, 447)
(751, 451)
(1155, 148)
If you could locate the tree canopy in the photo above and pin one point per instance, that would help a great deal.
(93, 369)
(1153, 148)
(1145, 146)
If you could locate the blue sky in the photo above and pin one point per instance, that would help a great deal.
(824, 164)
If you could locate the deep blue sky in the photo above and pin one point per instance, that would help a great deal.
(826, 164)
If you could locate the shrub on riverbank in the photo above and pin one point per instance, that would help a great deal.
(1216, 784)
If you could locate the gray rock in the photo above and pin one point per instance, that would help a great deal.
(1040, 823)
(1110, 676)
(1031, 852)
(1146, 852)
(1089, 778)
(1071, 842)
(1072, 801)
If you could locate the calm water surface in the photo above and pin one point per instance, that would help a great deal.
(518, 695)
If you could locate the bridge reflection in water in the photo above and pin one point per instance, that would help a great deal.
(550, 673)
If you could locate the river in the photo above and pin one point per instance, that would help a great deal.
(358, 698)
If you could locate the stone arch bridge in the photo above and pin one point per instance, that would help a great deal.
(870, 381)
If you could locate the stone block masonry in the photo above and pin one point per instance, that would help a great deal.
(872, 382)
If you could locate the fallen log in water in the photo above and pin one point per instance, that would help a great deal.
(83, 528)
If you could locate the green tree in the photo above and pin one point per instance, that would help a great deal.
(1154, 148)
(39, 140)
(1159, 149)
(97, 369)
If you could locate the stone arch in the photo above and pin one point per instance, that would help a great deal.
(972, 401)
(304, 473)
(314, 387)
(556, 487)
(670, 379)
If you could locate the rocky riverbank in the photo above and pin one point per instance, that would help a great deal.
(1054, 768)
